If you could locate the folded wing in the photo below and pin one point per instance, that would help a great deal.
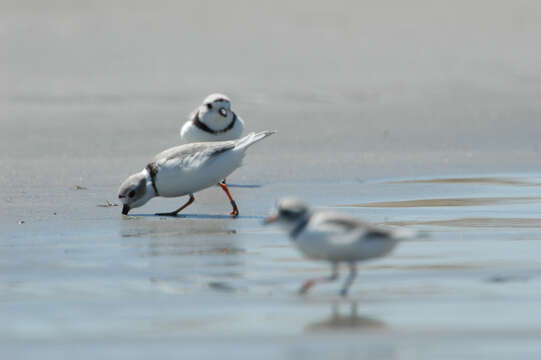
(192, 155)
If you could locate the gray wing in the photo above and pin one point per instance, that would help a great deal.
(204, 150)
(348, 224)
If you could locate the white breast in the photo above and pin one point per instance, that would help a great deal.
(190, 133)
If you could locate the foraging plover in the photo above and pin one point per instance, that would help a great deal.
(186, 169)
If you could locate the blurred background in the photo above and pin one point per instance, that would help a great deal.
(357, 85)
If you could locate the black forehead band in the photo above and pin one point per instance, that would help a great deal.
(220, 99)
(289, 213)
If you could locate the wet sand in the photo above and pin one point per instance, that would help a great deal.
(444, 202)
(413, 120)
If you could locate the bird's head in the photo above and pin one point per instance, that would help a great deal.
(215, 111)
(135, 191)
(288, 213)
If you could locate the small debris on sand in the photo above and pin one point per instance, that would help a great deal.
(108, 204)
(78, 187)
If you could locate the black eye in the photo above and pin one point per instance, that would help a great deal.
(131, 193)
(209, 106)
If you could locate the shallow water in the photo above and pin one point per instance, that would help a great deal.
(151, 285)
(408, 113)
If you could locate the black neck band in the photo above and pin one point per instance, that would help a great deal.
(205, 128)
(299, 228)
(152, 171)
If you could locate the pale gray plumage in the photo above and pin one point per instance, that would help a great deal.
(188, 151)
(334, 237)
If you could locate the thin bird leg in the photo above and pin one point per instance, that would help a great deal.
(349, 279)
(174, 213)
(309, 283)
(235, 211)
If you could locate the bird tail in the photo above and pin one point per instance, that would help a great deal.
(252, 138)
(404, 233)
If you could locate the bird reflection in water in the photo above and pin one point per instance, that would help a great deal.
(348, 322)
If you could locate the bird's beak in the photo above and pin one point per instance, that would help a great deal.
(223, 112)
(125, 209)
(270, 219)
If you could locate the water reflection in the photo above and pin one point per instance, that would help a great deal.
(442, 202)
(469, 180)
(154, 227)
(348, 322)
(476, 222)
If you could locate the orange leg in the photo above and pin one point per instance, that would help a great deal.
(235, 211)
(174, 213)
(309, 283)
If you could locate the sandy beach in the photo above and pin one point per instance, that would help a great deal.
(419, 114)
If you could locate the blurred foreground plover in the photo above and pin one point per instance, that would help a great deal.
(334, 237)
(186, 169)
(213, 120)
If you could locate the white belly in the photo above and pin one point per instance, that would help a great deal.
(340, 248)
(182, 179)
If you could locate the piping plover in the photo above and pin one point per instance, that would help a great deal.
(186, 169)
(213, 120)
(334, 237)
